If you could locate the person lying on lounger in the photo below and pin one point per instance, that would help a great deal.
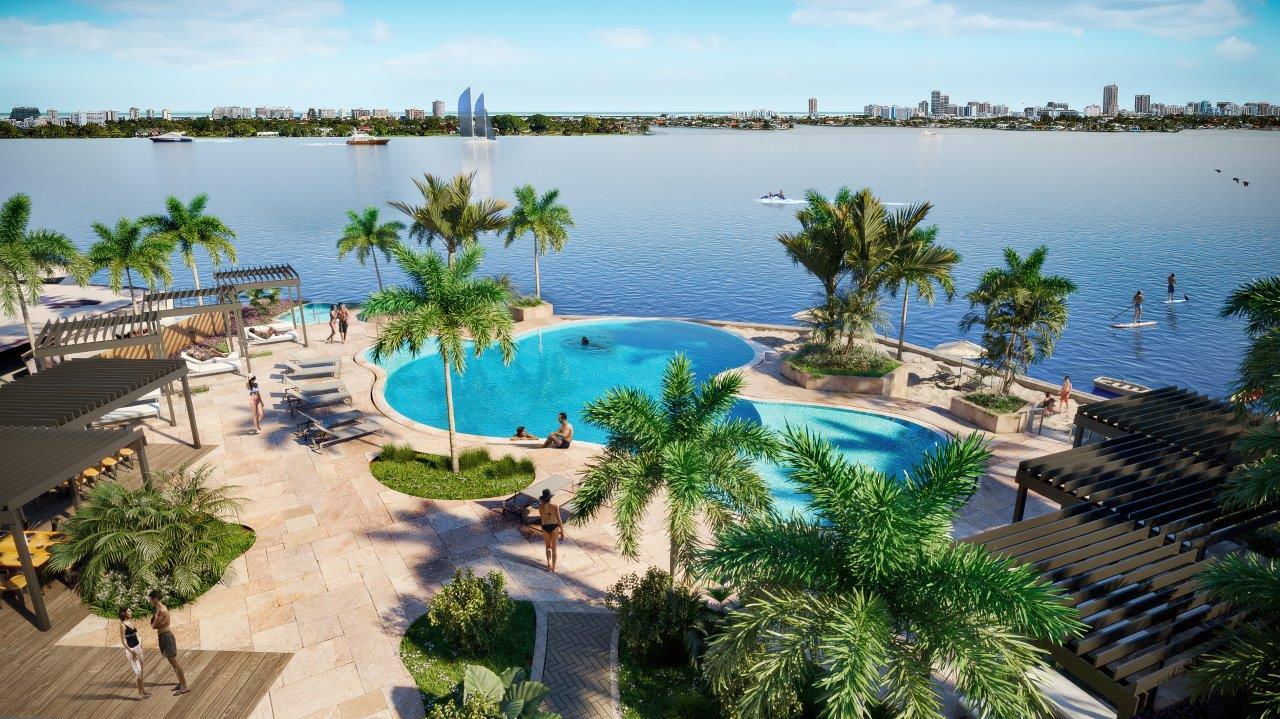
(266, 332)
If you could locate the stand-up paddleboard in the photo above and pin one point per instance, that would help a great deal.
(1174, 302)
(1132, 325)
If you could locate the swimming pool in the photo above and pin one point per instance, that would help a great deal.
(553, 371)
(313, 313)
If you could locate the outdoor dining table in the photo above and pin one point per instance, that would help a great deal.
(38, 542)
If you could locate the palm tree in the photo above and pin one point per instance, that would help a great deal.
(123, 249)
(448, 213)
(871, 596)
(1248, 664)
(682, 444)
(188, 228)
(546, 218)
(1258, 302)
(28, 256)
(919, 264)
(444, 301)
(1021, 310)
(366, 238)
(820, 246)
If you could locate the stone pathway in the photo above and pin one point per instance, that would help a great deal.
(579, 664)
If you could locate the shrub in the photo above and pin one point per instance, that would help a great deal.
(998, 403)
(516, 696)
(171, 537)
(470, 612)
(476, 707)
(403, 469)
(656, 619)
(393, 452)
(856, 361)
(526, 301)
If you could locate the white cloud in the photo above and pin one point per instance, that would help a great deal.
(695, 43)
(624, 38)
(1177, 19)
(458, 54)
(239, 32)
(381, 31)
(1235, 48)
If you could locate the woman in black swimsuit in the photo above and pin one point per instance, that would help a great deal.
(552, 527)
(132, 649)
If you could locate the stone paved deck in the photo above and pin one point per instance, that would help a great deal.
(342, 565)
(579, 664)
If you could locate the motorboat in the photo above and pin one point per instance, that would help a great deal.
(363, 138)
(170, 137)
(1119, 387)
(779, 199)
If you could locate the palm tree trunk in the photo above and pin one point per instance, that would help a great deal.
(671, 559)
(448, 400)
(902, 324)
(133, 299)
(195, 273)
(26, 318)
(537, 273)
(377, 273)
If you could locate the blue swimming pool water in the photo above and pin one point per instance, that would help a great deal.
(312, 313)
(553, 371)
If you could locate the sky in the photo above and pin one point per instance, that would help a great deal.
(655, 56)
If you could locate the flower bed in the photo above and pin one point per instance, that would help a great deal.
(427, 475)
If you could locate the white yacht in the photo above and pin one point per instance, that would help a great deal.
(170, 137)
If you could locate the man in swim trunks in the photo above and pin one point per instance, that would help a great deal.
(168, 645)
(561, 438)
(1173, 285)
(1137, 307)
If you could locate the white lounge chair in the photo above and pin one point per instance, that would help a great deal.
(130, 413)
(283, 333)
(211, 366)
(531, 496)
(312, 369)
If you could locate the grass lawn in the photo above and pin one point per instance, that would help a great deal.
(428, 475)
(998, 403)
(437, 669)
(669, 692)
(857, 361)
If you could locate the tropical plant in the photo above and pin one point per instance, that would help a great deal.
(447, 303)
(264, 299)
(1021, 310)
(543, 217)
(470, 611)
(658, 619)
(476, 707)
(449, 214)
(683, 445)
(122, 250)
(517, 697)
(918, 264)
(1258, 384)
(820, 245)
(171, 535)
(365, 237)
(27, 256)
(1248, 664)
(187, 228)
(864, 601)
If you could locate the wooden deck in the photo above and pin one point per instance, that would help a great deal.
(40, 678)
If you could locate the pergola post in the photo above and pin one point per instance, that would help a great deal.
(144, 467)
(28, 569)
(302, 312)
(167, 391)
(1020, 504)
(191, 412)
(244, 341)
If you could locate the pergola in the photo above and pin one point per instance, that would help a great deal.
(268, 277)
(1139, 510)
(62, 337)
(38, 461)
(220, 298)
(76, 392)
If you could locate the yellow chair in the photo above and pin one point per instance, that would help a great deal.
(127, 457)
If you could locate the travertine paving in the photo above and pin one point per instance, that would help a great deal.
(342, 565)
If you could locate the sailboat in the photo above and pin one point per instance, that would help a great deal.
(473, 126)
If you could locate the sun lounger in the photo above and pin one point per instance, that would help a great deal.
(325, 437)
(130, 413)
(312, 387)
(313, 423)
(300, 403)
(530, 496)
(256, 339)
(213, 365)
(313, 369)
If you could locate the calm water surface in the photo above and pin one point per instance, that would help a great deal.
(668, 225)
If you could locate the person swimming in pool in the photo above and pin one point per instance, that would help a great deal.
(521, 433)
(562, 437)
(586, 341)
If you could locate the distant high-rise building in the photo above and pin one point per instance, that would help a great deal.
(165, 114)
(359, 113)
(1111, 99)
(414, 113)
(1142, 104)
(813, 108)
(329, 113)
(110, 116)
(437, 109)
(1092, 110)
(151, 114)
(999, 110)
(923, 108)
(937, 101)
(133, 113)
(382, 113)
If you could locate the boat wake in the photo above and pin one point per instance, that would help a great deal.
(779, 201)
(218, 140)
(324, 144)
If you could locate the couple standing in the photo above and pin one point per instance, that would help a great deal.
(168, 644)
(339, 315)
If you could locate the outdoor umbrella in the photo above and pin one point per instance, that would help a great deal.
(960, 350)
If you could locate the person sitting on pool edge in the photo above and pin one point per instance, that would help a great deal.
(521, 433)
(561, 438)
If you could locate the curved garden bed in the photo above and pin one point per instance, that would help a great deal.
(420, 474)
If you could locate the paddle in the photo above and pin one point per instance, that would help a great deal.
(1113, 317)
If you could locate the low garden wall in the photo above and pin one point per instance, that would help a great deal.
(893, 384)
(985, 419)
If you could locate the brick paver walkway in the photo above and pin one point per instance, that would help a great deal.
(579, 665)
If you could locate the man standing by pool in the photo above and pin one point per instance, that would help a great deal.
(343, 316)
(561, 438)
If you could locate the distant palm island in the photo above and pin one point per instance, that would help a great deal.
(508, 124)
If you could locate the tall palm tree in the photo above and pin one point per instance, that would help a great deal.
(188, 228)
(544, 217)
(366, 238)
(682, 444)
(919, 264)
(122, 250)
(448, 303)
(28, 256)
(1258, 303)
(1021, 310)
(820, 246)
(870, 597)
(449, 214)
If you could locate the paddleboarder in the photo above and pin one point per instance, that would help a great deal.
(1172, 285)
(1137, 307)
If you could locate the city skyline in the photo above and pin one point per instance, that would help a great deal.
(190, 56)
